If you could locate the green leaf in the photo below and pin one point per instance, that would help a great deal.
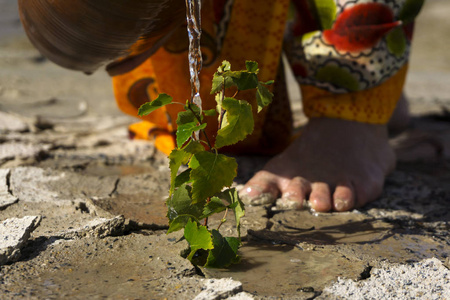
(198, 237)
(410, 10)
(147, 108)
(219, 80)
(224, 252)
(210, 112)
(193, 147)
(180, 204)
(263, 96)
(251, 66)
(219, 97)
(188, 116)
(183, 177)
(179, 223)
(184, 132)
(270, 82)
(396, 42)
(213, 207)
(200, 257)
(217, 83)
(226, 66)
(232, 197)
(243, 80)
(210, 173)
(239, 122)
(180, 157)
(176, 159)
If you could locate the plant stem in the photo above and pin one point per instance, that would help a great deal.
(224, 218)
(222, 111)
(200, 121)
(206, 219)
(207, 139)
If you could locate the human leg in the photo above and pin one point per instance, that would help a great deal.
(352, 71)
(400, 118)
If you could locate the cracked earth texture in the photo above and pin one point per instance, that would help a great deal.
(97, 199)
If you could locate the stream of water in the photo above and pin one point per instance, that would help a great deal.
(193, 16)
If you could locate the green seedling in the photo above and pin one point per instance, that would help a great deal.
(203, 189)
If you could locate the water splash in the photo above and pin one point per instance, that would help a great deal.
(193, 16)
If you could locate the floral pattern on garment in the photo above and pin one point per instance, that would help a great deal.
(353, 45)
(350, 57)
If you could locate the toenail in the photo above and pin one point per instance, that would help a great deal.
(256, 199)
(264, 198)
(341, 204)
(320, 204)
(286, 203)
(290, 195)
(252, 191)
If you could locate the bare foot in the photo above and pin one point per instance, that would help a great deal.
(400, 118)
(339, 164)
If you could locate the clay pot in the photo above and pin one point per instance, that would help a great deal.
(87, 34)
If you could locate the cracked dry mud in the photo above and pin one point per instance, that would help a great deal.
(66, 160)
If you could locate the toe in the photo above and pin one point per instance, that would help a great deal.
(320, 197)
(368, 191)
(294, 193)
(343, 198)
(261, 189)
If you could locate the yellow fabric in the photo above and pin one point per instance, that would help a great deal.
(374, 106)
(250, 37)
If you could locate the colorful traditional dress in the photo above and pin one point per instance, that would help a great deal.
(349, 56)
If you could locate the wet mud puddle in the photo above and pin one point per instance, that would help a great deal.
(298, 254)
(302, 253)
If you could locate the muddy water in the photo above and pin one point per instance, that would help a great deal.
(279, 270)
(119, 170)
(298, 252)
(142, 208)
(330, 228)
(303, 252)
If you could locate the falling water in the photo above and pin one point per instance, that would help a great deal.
(193, 16)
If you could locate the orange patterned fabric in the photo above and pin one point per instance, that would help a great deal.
(333, 74)
(167, 70)
(164, 139)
